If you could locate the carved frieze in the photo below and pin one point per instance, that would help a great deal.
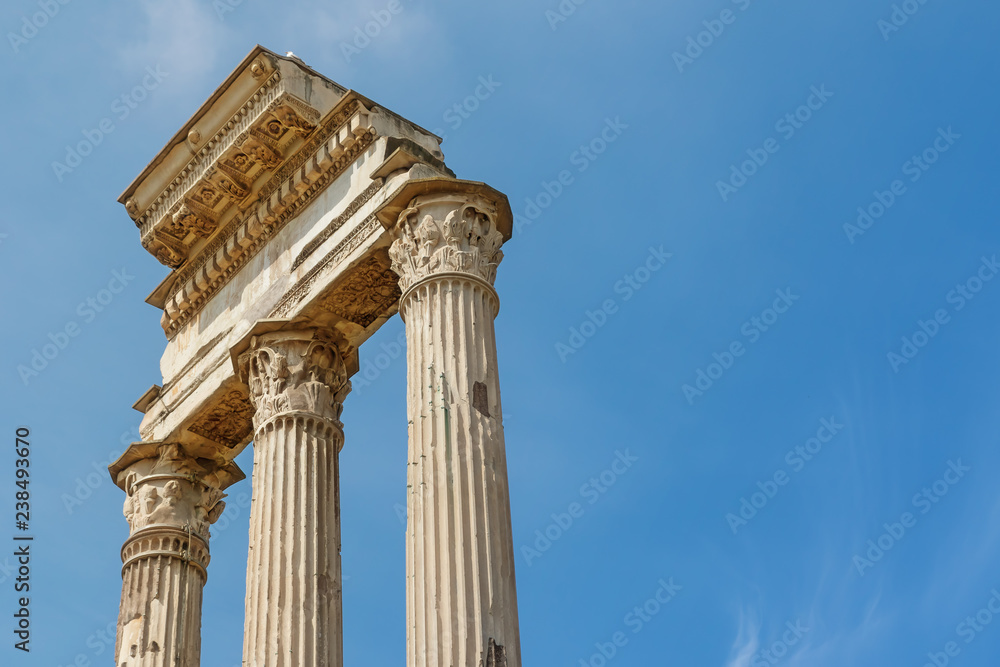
(338, 222)
(321, 271)
(369, 291)
(229, 422)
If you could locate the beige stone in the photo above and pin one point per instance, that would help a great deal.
(298, 382)
(171, 500)
(461, 595)
(296, 217)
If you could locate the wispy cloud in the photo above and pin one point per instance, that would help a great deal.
(182, 36)
(368, 26)
(747, 640)
(787, 643)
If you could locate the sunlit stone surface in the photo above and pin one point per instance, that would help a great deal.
(296, 217)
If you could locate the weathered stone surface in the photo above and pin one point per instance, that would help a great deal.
(290, 168)
(298, 382)
(296, 217)
(461, 593)
(172, 497)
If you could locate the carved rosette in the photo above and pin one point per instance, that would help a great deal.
(441, 234)
(225, 179)
(295, 372)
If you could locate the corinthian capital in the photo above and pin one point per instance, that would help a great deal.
(294, 371)
(446, 233)
(165, 487)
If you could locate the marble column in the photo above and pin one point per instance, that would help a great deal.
(461, 593)
(172, 498)
(298, 382)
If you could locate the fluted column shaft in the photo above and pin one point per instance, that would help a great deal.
(461, 592)
(293, 600)
(171, 501)
(159, 623)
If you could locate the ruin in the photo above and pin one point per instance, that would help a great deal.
(298, 216)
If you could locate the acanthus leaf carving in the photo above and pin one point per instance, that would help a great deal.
(287, 116)
(370, 290)
(446, 234)
(262, 148)
(296, 375)
(230, 422)
(228, 181)
(167, 249)
(191, 216)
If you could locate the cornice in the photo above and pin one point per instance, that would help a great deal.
(329, 151)
(209, 153)
(193, 209)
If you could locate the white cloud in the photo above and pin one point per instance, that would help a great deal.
(184, 37)
(747, 640)
(368, 26)
(785, 646)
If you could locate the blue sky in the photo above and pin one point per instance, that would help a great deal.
(743, 148)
